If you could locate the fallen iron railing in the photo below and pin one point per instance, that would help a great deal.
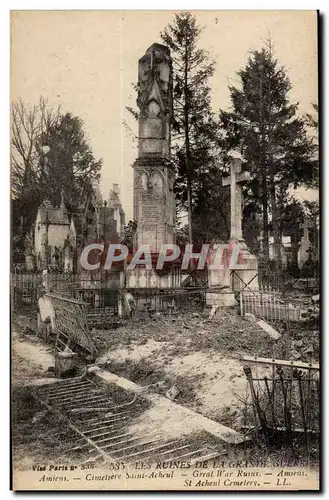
(107, 430)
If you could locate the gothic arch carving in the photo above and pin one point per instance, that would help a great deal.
(142, 179)
(153, 109)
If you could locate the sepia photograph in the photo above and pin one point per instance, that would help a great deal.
(165, 250)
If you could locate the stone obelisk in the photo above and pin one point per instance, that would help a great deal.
(154, 202)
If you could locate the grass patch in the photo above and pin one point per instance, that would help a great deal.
(144, 373)
(42, 441)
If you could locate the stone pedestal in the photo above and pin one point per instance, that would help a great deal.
(65, 364)
(147, 283)
(219, 280)
(248, 275)
(149, 278)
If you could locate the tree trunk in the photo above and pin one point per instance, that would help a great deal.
(266, 253)
(294, 252)
(189, 210)
(275, 226)
(262, 164)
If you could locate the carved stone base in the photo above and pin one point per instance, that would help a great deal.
(149, 278)
(248, 275)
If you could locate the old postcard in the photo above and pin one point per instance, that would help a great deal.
(165, 250)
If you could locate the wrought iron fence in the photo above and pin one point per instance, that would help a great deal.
(288, 283)
(269, 305)
(102, 299)
(26, 289)
(166, 301)
(287, 400)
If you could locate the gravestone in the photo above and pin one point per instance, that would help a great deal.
(235, 181)
(232, 280)
(305, 245)
(154, 202)
(219, 280)
(285, 249)
(154, 174)
(246, 277)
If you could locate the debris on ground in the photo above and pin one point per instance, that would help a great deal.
(250, 317)
(268, 329)
(225, 332)
(312, 313)
(295, 354)
(173, 392)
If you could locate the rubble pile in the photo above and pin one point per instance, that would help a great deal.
(226, 331)
(312, 313)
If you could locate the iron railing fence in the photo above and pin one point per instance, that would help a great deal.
(288, 283)
(286, 400)
(102, 298)
(270, 306)
(167, 301)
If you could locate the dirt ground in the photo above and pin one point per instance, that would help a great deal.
(33, 441)
(197, 358)
(29, 347)
(38, 435)
(196, 355)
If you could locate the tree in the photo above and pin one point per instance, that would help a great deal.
(49, 153)
(29, 125)
(193, 127)
(292, 225)
(69, 164)
(271, 137)
(312, 120)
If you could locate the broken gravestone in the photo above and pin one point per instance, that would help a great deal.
(173, 392)
(268, 329)
(295, 354)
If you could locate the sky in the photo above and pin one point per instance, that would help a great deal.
(86, 62)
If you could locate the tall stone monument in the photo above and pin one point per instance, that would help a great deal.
(154, 202)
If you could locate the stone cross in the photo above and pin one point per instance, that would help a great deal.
(304, 243)
(305, 227)
(310, 253)
(235, 181)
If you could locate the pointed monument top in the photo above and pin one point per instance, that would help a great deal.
(158, 46)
